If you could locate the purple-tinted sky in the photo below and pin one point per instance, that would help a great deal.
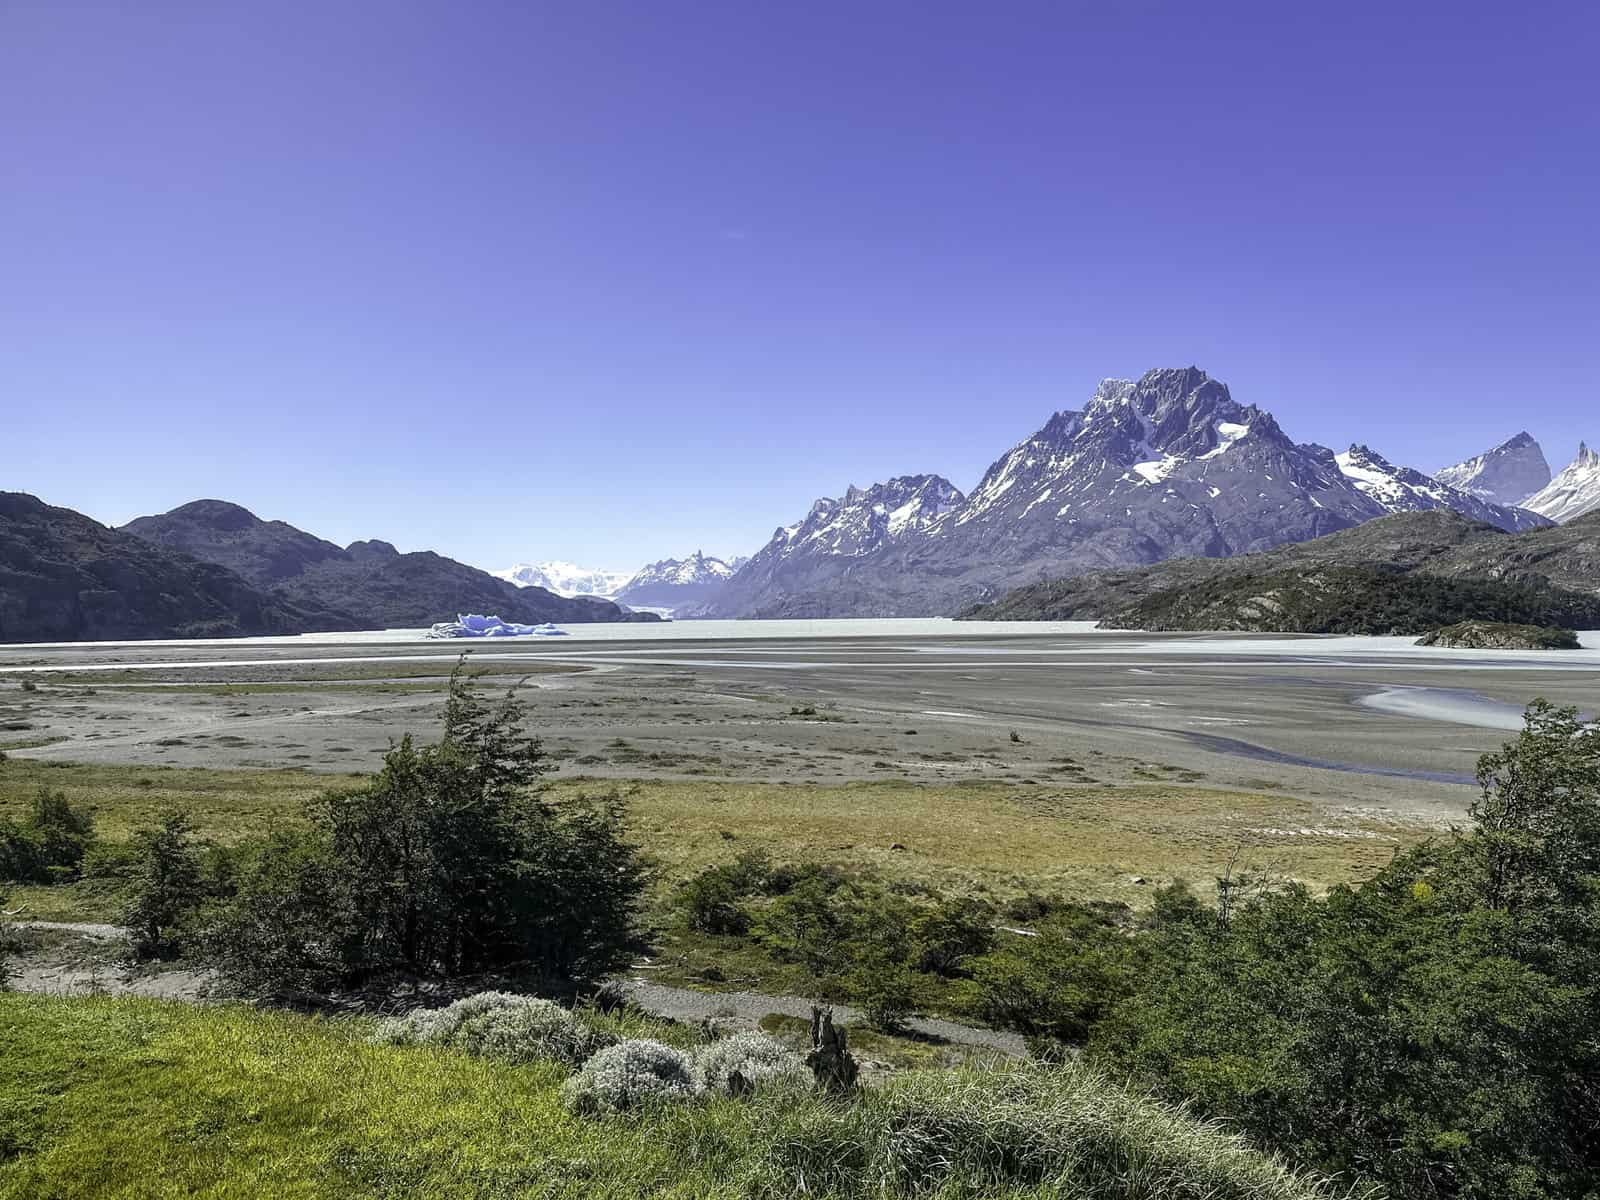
(612, 281)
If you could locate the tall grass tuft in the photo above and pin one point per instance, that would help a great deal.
(1059, 1130)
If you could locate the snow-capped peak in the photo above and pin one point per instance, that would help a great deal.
(566, 579)
(697, 568)
(1573, 492)
(866, 519)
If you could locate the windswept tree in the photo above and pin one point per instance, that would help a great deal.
(451, 860)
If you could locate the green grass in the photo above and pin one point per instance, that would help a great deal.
(1081, 840)
(104, 1099)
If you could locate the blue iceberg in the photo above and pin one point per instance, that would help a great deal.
(472, 625)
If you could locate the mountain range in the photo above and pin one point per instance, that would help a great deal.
(677, 583)
(1165, 466)
(1509, 474)
(1573, 492)
(214, 569)
(669, 584)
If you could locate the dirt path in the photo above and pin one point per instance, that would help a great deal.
(57, 971)
(682, 1004)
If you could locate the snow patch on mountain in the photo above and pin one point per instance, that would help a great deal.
(1403, 489)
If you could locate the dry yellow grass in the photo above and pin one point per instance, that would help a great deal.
(1085, 841)
(1088, 841)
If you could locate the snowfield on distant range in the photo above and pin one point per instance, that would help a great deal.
(566, 579)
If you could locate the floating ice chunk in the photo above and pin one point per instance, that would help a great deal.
(472, 625)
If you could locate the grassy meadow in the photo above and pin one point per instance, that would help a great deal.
(1088, 841)
(125, 1098)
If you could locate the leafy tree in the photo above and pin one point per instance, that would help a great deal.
(167, 888)
(450, 861)
(948, 936)
(48, 844)
(1057, 984)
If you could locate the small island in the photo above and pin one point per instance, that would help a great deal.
(1497, 635)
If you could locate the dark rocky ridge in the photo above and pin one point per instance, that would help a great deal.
(65, 577)
(1491, 635)
(371, 584)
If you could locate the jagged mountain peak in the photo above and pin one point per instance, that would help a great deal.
(1575, 491)
(1507, 474)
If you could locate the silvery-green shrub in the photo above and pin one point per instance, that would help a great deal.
(501, 1026)
(629, 1074)
(438, 1025)
(527, 1030)
(756, 1058)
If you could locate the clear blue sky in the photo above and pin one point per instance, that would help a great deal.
(611, 281)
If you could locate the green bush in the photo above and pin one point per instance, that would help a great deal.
(710, 900)
(1433, 1027)
(1059, 983)
(48, 845)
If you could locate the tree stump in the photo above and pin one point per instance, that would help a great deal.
(830, 1060)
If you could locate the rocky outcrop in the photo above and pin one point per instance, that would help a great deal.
(1494, 635)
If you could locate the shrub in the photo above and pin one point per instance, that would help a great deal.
(756, 1059)
(439, 1025)
(710, 900)
(951, 933)
(629, 1074)
(886, 989)
(499, 1025)
(289, 925)
(1060, 983)
(527, 1030)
